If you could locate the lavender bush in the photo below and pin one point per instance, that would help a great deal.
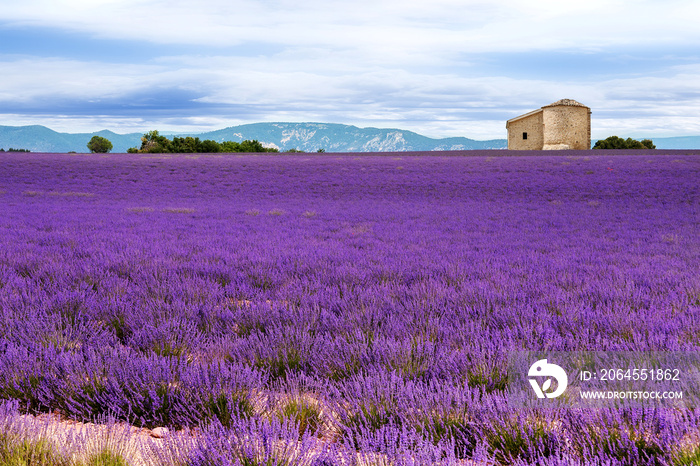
(358, 309)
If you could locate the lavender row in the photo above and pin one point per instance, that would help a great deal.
(383, 292)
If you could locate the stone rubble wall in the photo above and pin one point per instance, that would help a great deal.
(533, 126)
(567, 127)
(559, 126)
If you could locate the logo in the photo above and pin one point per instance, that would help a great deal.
(543, 369)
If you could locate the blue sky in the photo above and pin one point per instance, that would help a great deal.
(440, 68)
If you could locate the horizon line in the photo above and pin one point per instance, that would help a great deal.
(192, 133)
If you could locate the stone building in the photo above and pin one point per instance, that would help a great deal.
(565, 124)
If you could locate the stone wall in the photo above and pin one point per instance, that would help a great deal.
(530, 124)
(565, 124)
(567, 127)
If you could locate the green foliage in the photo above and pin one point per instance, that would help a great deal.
(29, 453)
(687, 458)
(648, 143)
(154, 143)
(15, 150)
(247, 458)
(120, 327)
(226, 408)
(230, 146)
(372, 416)
(490, 379)
(252, 146)
(23, 387)
(510, 441)
(287, 361)
(18, 452)
(106, 458)
(153, 402)
(456, 426)
(628, 437)
(208, 146)
(186, 145)
(614, 142)
(629, 447)
(302, 413)
(99, 145)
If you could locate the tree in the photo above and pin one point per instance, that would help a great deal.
(209, 146)
(186, 145)
(230, 146)
(152, 142)
(252, 146)
(614, 142)
(99, 145)
(15, 150)
(648, 143)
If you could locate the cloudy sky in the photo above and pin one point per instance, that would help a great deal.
(440, 67)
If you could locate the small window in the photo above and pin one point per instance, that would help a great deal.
(524, 136)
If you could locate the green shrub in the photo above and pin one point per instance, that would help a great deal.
(687, 458)
(106, 458)
(99, 145)
(514, 440)
(29, 453)
(227, 408)
(614, 142)
(303, 413)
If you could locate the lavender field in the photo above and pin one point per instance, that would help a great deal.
(343, 309)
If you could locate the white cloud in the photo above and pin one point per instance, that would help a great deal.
(233, 92)
(386, 27)
(392, 63)
(28, 79)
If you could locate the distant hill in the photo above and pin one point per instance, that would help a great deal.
(685, 142)
(308, 137)
(284, 136)
(42, 139)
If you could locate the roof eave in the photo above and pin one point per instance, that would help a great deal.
(534, 112)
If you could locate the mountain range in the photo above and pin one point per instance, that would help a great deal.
(307, 137)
